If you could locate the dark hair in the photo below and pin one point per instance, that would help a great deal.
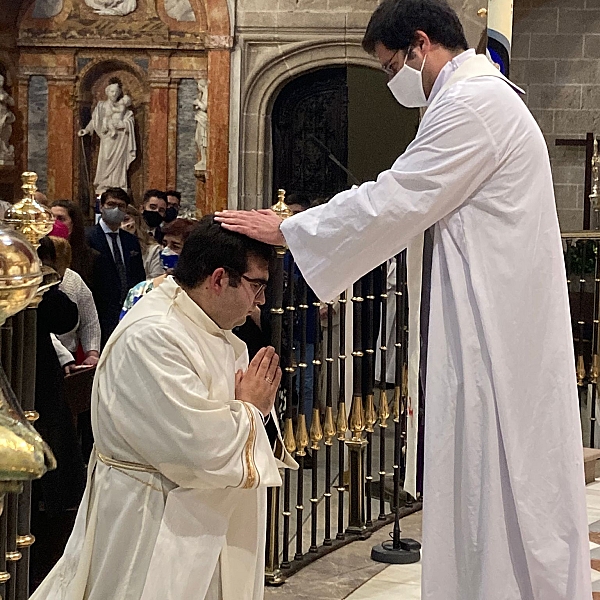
(298, 198)
(115, 193)
(154, 194)
(210, 247)
(395, 22)
(175, 194)
(47, 252)
(180, 227)
(82, 256)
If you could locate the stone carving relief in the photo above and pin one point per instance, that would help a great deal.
(201, 117)
(7, 118)
(113, 122)
(46, 9)
(180, 10)
(112, 7)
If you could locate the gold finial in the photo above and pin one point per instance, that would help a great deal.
(595, 195)
(289, 441)
(316, 432)
(357, 417)
(281, 208)
(370, 414)
(329, 426)
(341, 421)
(396, 404)
(595, 369)
(482, 13)
(28, 216)
(301, 436)
(384, 409)
(580, 370)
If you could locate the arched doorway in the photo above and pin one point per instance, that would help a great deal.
(335, 127)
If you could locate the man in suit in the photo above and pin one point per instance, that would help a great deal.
(119, 266)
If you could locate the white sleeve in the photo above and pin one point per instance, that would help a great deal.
(64, 356)
(337, 243)
(89, 325)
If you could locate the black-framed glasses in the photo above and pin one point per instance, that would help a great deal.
(258, 285)
(387, 66)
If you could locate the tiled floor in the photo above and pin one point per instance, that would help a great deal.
(349, 574)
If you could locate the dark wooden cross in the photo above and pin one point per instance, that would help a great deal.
(588, 143)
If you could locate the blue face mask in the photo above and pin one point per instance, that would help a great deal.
(168, 258)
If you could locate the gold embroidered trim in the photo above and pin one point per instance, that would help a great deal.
(252, 476)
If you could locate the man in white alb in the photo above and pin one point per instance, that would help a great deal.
(175, 502)
(504, 514)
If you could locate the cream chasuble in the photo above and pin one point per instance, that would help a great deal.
(163, 397)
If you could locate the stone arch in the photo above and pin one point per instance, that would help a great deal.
(259, 94)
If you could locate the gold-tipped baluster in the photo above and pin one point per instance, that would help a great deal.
(580, 370)
(301, 436)
(289, 440)
(316, 432)
(595, 369)
(281, 208)
(341, 423)
(329, 426)
(384, 409)
(357, 418)
(370, 414)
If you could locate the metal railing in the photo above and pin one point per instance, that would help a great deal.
(339, 433)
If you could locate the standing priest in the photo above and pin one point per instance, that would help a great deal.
(505, 515)
(176, 495)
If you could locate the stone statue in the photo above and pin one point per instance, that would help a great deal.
(201, 117)
(180, 10)
(112, 7)
(7, 118)
(113, 122)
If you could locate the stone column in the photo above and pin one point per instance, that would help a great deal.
(172, 136)
(61, 136)
(219, 64)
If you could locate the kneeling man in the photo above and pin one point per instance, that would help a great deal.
(175, 503)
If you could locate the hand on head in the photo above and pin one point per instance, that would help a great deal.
(262, 225)
(259, 384)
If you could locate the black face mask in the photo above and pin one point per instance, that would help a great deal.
(170, 214)
(153, 219)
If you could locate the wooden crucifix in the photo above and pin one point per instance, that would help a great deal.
(588, 144)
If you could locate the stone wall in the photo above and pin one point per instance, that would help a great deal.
(556, 58)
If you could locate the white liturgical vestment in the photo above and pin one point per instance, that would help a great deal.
(504, 498)
(195, 519)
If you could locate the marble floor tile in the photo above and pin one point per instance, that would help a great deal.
(386, 590)
(406, 574)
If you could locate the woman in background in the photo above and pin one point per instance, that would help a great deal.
(134, 224)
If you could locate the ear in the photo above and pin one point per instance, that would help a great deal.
(218, 280)
(421, 42)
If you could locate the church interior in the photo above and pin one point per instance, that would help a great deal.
(242, 104)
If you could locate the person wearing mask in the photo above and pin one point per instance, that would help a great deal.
(119, 266)
(505, 510)
(150, 247)
(83, 257)
(154, 209)
(176, 233)
(173, 205)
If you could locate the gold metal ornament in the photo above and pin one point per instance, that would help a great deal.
(281, 209)
(316, 432)
(396, 404)
(370, 414)
(580, 370)
(384, 409)
(341, 423)
(329, 426)
(301, 436)
(289, 441)
(357, 418)
(595, 369)
(20, 273)
(28, 216)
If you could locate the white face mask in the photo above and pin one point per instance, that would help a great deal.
(407, 86)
